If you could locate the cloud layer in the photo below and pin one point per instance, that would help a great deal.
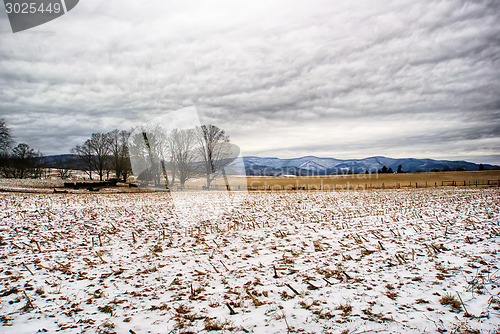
(285, 78)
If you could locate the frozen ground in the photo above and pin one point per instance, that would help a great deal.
(393, 261)
(47, 186)
(29, 184)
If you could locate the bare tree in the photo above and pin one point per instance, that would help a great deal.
(120, 153)
(213, 149)
(25, 162)
(63, 173)
(101, 146)
(85, 157)
(5, 144)
(20, 162)
(182, 144)
(93, 155)
(5, 137)
(149, 148)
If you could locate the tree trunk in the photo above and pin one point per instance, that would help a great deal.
(208, 182)
(165, 175)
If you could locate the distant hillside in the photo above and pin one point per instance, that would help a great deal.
(58, 161)
(311, 165)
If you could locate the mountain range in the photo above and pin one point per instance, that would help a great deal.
(311, 165)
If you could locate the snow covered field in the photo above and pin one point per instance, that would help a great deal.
(393, 261)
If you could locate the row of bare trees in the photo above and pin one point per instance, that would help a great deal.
(167, 157)
(157, 155)
(19, 161)
(103, 153)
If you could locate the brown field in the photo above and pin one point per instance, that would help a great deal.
(369, 181)
(290, 183)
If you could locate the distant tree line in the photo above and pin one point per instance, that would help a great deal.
(18, 161)
(385, 170)
(389, 170)
(455, 169)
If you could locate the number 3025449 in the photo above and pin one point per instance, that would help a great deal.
(32, 8)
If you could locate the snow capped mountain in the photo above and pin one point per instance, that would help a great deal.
(314, 165)
(322, 163)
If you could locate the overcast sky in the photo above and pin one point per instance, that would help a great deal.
(343, 79)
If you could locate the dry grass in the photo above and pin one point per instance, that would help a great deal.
(449, 299)
(364, 181)
(345, 308)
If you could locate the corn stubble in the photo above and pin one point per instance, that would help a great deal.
(405, 260)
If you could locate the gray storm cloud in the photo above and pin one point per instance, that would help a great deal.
(286, 78)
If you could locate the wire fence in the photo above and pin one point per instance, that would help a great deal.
(364, 186)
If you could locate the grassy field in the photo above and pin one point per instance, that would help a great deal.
(367, 181)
